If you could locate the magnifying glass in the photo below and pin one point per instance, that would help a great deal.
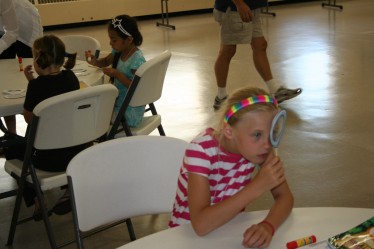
(277, 129)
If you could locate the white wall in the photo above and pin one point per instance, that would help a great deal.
(55, 12)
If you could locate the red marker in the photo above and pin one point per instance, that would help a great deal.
(301, 242)
(20, 63)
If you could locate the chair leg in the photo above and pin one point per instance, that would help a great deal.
(8, 194)
(40, 198)
(126, 129)
(161, 130)
(75, 216)
(130, 228)
(15, 215)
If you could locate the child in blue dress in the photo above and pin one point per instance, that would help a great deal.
(126, 58)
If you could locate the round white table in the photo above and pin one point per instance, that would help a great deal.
(323, 222)
(12, 78)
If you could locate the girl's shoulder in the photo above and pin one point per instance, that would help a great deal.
(136, 59)
(138, 56)
(205, 140)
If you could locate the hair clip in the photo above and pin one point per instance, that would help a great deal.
(117, 24)
(249, 101)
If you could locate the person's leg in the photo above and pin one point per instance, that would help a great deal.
(222, 64)
(260, 59)
(10, 122)
(221, 69)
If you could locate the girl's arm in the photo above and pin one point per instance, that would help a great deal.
(102, 62)
(260, 235)
(112, 72)
(282, 206)
(206, 218)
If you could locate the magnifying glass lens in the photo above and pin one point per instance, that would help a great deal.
(277, 128)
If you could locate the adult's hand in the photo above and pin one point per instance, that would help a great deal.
(244, 11)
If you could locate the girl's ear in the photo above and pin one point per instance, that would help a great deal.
(228, 131)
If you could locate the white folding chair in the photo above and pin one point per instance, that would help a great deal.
(81, 43)
(145, 89)
(130, 176)
(61, 121)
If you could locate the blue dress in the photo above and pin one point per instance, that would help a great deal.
(134, 115)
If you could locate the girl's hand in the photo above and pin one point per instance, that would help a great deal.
(28, 72)
(111, 72)
(90, 58)
(271, 174)
(257, 236)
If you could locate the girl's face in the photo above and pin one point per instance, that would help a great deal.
(250, 137)
(118, 43)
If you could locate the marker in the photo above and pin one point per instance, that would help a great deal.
(20, 63)
(301, 242)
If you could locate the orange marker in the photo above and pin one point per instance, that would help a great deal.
(20, 63)
(301, 242)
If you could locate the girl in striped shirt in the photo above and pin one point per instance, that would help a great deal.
(217, 179)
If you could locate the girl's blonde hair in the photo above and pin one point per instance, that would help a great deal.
(235, 98)
(49, 50)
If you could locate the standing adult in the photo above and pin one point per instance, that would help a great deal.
(241, 24)
(20, 25)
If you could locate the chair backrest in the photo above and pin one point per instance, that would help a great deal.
(149, 80)
(81, 43)
(73, 118)
(145, 89)
(125, 177)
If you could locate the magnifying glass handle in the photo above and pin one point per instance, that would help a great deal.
(275, 151)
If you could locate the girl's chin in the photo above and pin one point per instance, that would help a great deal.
(261, 158)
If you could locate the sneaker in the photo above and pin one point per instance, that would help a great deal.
(218, 102)
(283, 94)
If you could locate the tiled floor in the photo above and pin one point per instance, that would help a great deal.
(328, 146)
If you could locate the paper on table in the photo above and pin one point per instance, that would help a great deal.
(80, 72)
(319, 245)
(14, 93)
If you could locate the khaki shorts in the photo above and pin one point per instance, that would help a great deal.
(234, 30)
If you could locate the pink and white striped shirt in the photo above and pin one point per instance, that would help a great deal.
(227, 173)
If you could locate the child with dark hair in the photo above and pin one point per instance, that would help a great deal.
(126, 58)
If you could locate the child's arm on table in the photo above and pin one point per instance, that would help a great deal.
(206, 218)
(260, 235)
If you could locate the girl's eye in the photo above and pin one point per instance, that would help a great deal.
(256, 134)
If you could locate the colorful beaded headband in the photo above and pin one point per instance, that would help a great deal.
(249, 101)
(117, 24)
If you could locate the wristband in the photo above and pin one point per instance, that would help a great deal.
(270, 225)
